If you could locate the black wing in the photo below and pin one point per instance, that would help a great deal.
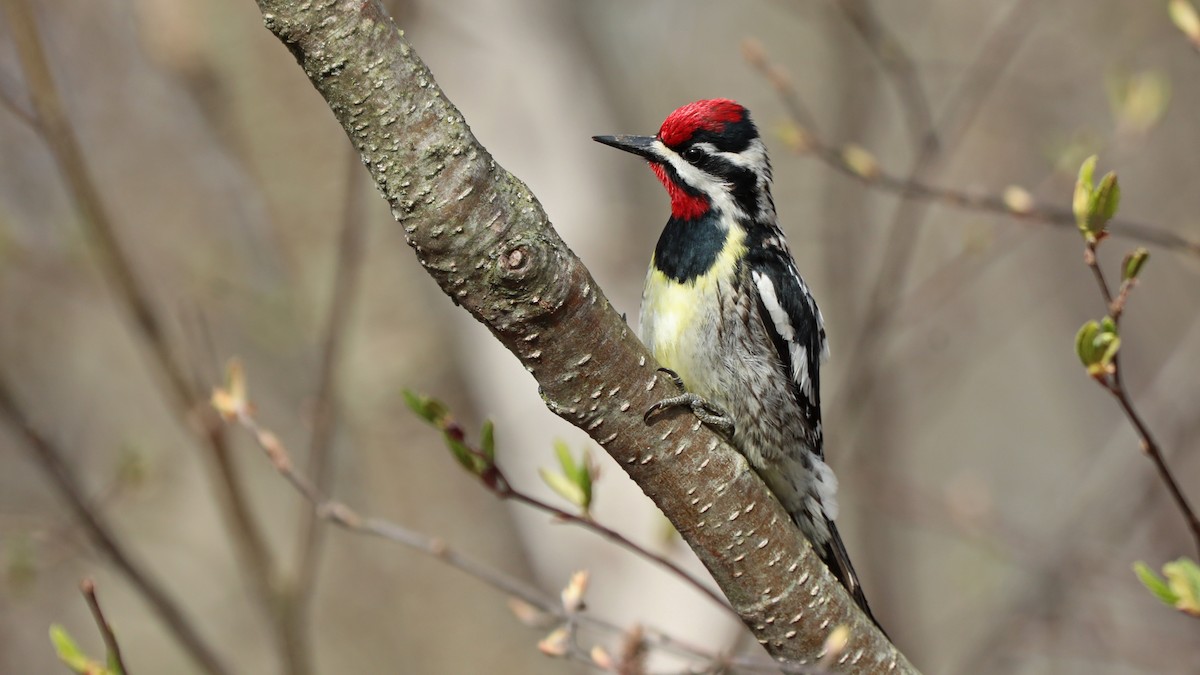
(794, 325)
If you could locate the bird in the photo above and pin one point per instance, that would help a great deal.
(727, 315)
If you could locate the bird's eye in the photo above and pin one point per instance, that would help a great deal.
(693, 154)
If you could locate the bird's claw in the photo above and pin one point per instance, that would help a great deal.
(674, 377)
(707, 412)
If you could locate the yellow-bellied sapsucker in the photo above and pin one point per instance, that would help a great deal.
(726, 311)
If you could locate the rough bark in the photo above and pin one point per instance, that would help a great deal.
(486, 240)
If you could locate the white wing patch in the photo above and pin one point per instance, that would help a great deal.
(821, 327)
(783, 326)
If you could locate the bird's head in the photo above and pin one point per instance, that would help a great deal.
(709, 156)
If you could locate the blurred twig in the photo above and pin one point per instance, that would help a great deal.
(88, 588)
(895, 61)
(1113, 382)
(890, 277)
(325, 407)
(56, 130)
(18, 111)
(481, 463)
(871, 174)
(506, 491)
(348, 519)
(62, 476)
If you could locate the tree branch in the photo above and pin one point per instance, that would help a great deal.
(54, 126)
(62, 476)
(343, 516)
(485, 239)
(88, 588)
(1114, 383)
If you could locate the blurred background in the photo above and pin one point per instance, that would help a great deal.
(994, 498)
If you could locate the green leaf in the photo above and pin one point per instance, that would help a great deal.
(70, 654)
(1138, 100)
(66, 648)
(1154, 583)
(565, 487)
(1084, 341)
(1132, 265)
(1094, 205)
(1185, 18)
(1183, 578)
(1083, 192)
(487, 441)
(1105, 201)
(469, 460)
(429, 409)
(565, 460)
(578, 473)
(1097, 344)
(585, 478)
(1107, 345)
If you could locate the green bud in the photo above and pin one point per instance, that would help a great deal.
(1131, 267)
(1083, 342)
(429, 409)
(564, 486)
(1083, 193)
(565, 460)
(1104, 203)
(71, 655)
(1097, 344)
(469, 460)
(1154, 583)
(487, 441)
(1094, 205)
(578, 474)
(1179, 587)
(1107, 345)
(1185, 18)
(1183, 576)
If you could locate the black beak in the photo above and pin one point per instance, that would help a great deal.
(642, 146)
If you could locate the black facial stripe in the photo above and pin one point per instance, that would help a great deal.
(688, 248)
(743, 181)
(733, 137)
(678, 180)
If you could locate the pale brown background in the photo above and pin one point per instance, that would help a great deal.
(992, 495)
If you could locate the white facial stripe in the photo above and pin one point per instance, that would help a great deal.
(716, 190)
(753, 157)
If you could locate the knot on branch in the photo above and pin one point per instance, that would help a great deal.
(515, 263)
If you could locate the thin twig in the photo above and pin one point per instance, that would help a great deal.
(1113, 381)
(56, 130)
(495, 481)
(508, 492)
(18, 111)
(902, 236)
(343, 516)
(325, 408)
(88, 588)
(896, 63)
(62, 476)
(878, 177)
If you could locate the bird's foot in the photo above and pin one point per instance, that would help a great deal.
(706, 411)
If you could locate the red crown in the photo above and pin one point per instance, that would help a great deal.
(709, 115)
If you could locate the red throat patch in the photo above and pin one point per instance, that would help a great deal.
(684, 206)
(710, 115)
